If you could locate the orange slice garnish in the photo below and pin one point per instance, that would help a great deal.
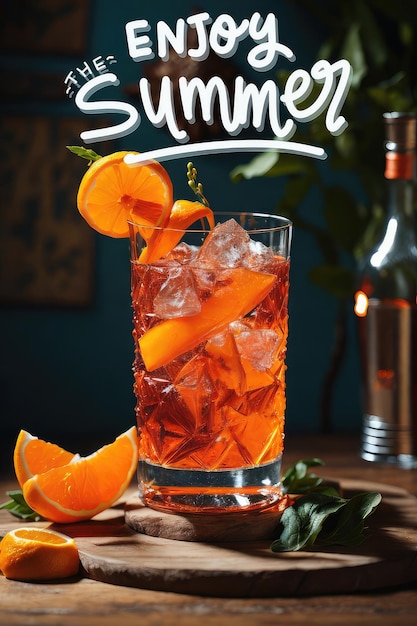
(240, 291)
(112, 192)
(86, 485)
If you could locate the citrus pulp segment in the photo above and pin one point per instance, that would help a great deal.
(112, 192)
(35, 456)
(87, 485)
(38, 554)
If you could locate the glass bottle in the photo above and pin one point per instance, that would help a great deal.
(386, 306)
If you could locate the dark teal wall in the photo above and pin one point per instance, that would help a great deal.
(66, 371)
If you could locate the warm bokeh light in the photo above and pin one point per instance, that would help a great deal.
(361, 304)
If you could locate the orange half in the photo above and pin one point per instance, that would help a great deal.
(112, 192)
(38, 554)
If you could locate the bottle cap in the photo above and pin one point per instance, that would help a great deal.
(400, 129)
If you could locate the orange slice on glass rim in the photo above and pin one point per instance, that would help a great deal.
(86, 485)
(112, 192)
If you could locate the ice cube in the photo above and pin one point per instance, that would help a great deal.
(205, 281)
(178, 295)
(183, 253)
(259, 255)
(196, 388)
(226, 246)
(259, 346)
(229, 245)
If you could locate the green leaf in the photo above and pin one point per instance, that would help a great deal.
(320, 515)
(336, 280)
(352, 50)
(84, 153)
(292, 165)
(348, 526)
(302, 522)
(273, 164)
(295, 191)
(346, 149)
(372, 39)
(325, 519)
(258, 166)
(18, 507)
(297, 480)
(344, 216)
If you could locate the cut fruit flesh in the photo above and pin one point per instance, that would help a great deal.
(86, 485)
(111, 193)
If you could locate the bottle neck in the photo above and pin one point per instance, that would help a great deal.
(400, 170)
(400, 165)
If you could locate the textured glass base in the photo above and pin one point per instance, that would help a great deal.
(386, 443)
(195, 491)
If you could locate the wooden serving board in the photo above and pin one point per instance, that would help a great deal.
(112, 552)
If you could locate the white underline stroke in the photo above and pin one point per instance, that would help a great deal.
(240, 145)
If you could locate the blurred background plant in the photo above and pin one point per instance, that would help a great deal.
(378, 38)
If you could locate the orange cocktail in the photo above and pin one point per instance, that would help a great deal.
(210, 329)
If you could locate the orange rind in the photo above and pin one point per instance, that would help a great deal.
(241, 291)
(34, 456)
(38, 554)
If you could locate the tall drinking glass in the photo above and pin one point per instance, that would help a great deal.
(210, 330)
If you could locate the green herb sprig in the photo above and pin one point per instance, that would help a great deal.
(320, 516)
(18, 507)
(297, 479)
(84, 153)
(194, 185)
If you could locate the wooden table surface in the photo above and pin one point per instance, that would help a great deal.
(87, 602)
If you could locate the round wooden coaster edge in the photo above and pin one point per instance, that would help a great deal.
(229, 527)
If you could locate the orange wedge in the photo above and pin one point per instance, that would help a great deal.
(35, 456)
(241, 290)
(182, 215)
(112, 192)
(86, 485)
(38, 554)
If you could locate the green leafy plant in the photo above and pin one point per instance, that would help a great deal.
(378, 39)
(297, 479)
(324, 519)
(320, 515)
